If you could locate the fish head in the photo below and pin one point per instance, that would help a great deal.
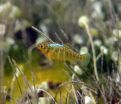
(43, 47)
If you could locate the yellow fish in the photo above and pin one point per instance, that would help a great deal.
(61, 52)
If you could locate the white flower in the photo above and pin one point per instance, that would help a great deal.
(5, 7)
(115, 56)
(97, 42)
(117, 33)
(78, 70)
(104, 50)
(88, 100)
(44, 29)
(84, 50)
(9, 11)
(14, 12)
(43, 85)
(97, 7)
(10, 41)
(83, 20)
(111, 40)
(118, 78)
(44, 100)
(77, 39)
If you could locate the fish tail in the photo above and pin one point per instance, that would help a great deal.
(84, 59)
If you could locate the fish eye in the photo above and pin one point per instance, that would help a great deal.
(41, 46)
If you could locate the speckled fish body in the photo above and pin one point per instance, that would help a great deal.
(55, 51)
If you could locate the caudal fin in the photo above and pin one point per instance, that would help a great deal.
(85, 60)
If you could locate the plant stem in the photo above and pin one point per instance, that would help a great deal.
(93, 51)
(1, 71)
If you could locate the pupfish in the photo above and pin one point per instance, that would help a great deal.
(61, 52)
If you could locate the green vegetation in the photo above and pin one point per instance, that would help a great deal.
(91, 27)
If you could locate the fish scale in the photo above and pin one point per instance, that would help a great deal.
(60, 52)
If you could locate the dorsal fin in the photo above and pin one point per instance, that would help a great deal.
(67, 45)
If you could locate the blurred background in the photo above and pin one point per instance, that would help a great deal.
(61, 21)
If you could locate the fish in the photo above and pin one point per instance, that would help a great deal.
(61, 52)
